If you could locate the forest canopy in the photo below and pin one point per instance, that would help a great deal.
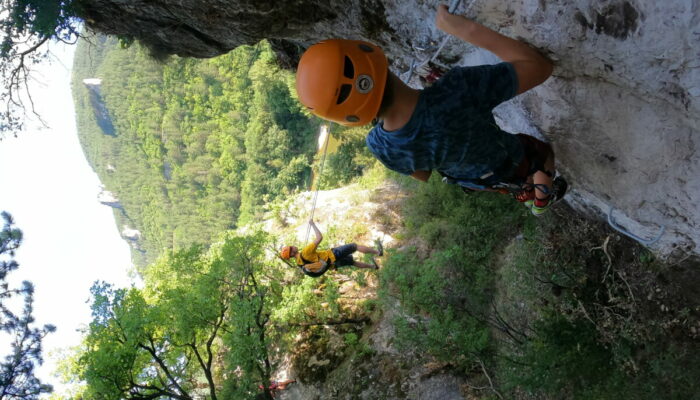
(198, 146)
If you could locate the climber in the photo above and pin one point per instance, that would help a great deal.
(315, 263)
(449, 126)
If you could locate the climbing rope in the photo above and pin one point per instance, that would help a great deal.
(320, 179)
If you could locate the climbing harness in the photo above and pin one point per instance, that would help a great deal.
(645, 242)
(476, 185)
(314, 269)
(327, 128)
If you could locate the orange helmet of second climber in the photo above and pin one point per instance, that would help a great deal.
(343, 80)
(286, 252)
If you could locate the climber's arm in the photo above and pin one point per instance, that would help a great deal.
(317, 232)
(531, 67)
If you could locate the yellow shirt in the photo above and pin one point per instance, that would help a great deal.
(311, 255)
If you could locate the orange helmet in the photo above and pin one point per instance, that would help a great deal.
(286, 252)
(343, 80)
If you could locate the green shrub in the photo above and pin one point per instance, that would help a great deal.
(445, 292)
(589, 338)
(566, 359)
(562, 356)
(351, 339)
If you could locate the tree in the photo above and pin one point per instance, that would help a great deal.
(200, 316)
(26, 26)
(17, 380)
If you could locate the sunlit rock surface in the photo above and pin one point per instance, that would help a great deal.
(108, 198)
(130, 233)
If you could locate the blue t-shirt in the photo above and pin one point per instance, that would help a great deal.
(452, 128)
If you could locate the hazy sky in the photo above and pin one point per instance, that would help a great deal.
(70, 239)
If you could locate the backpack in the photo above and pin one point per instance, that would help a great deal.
(314, 269)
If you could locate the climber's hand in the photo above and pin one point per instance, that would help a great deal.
(450, 23)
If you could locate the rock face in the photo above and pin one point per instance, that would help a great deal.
(108, 198)
(133, 238)
(621, 109)
(131, 233)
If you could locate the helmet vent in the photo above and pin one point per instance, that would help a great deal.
(352, 118)
(344, 93)
(365, 48)
(348, 69)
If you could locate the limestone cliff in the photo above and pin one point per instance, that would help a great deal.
(621, 110)
(108, 198)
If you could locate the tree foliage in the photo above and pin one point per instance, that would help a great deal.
(452, 283)
(201, 316)
(346, 162)
(207, 323)
(17, 379)
(26, 25)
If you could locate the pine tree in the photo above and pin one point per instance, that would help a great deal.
(17, 379)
